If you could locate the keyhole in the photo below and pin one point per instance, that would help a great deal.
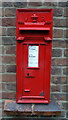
(28, 74)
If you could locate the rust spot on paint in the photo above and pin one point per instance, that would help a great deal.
(42, 93)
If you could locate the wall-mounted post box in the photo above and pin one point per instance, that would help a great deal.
(33, 56)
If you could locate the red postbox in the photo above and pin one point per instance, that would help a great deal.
(33, 56)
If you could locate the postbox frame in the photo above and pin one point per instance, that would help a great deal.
(21, 40)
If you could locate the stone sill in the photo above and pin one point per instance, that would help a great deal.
(50, 109)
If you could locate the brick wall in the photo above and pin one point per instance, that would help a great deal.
(59, 71)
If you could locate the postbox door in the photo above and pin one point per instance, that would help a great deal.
(33, 70)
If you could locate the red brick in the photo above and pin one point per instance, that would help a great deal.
(9, 87)
(65, 88)
(0, 114)
(58, 12)
(66, 33)
(60, 43)
(10, 12)
(56, 52)
(7, 4)
(59, 61)
(50, 4)
(66, 52)
(0, 3)
(58, 33)
(65, 71)
(54, 4)
(58, 96)
(65, 12)
(60, 22)
(10, 49)
(11, 32)
(8, 78)
(66, 22)
(58, 80)
(63, 4)
(2, 68)
(6, 116)
(0, 77)
(56, 71)
(57, 22)
(9, 59)
(20, 4)
(0, 40)
(11, 68)
(38, 3)
(3, 87)
(8, 95)
(0, 95)
(0, 59)
(0, 21)
(1, 49)
(1, 12)
(55, 88)
(64, 80)
(67, 114)
(46, 3)
(8, 40)
(8, 22)
(65, 106)
(2, 31)
(0, 86)
(1, 104)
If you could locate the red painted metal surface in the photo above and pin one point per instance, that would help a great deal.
(33, 56)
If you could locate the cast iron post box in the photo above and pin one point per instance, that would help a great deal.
(33, 56)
